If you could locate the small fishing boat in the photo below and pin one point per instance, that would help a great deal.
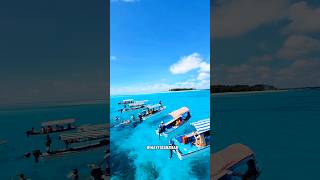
(232, 162)
(85, 140)
(177, 119)
(194, 142)
(151, 111)
(126, 101)
(53, 127)
(135, 105)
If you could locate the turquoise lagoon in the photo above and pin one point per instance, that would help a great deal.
(14, 123)
(129, 157)
(282, 128)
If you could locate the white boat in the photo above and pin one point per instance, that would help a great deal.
(178, 118)
(55, 126)
(152, 111)
(126, 101)
(195, 142)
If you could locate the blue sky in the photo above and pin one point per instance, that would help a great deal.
(273, 42)
(156, 45)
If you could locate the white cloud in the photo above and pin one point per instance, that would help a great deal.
(297, 45)
(237, 17)
(186, 64)
(192, 62)
(303, 19)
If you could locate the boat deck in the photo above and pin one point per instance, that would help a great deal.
(186, 148)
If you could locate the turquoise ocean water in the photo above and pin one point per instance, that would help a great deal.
(282, 128)
(14, 123)
(129, 157)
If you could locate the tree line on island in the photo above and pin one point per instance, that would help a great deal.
(241, 88)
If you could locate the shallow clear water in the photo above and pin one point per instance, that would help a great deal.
(282, 128)
(15, 122)
(128, 144)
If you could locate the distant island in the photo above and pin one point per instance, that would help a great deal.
(241, 88)
(181, 89)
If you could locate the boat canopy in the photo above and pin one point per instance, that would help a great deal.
(58, 122)
(136, 104)
(84, 136)
(176, 114)
(154, 106)
(202, 125)
(93, 127)
(225, 159)
(127, 100)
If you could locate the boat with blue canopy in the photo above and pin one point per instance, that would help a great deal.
(177, 119)
(195, 142)
(151, 111)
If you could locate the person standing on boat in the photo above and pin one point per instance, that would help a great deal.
(161, 128)
(171, 143)
(48, 143)
(140, 118)
(160, 102)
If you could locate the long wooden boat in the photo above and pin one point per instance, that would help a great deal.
(134, 106)
(53, 127)
(126, 101)
(81, 148)
(195, 142)
(178, 118)
(151, 111)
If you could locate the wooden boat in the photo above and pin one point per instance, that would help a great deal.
(178, 118)
(92, 127)
(126, 101)
(134, 106)
(86, 140)
(151, 111)
(80, 148)
(53, 127)
(195, 142)
(229, 161)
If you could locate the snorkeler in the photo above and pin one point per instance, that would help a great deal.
(22, 177)
(48, 143)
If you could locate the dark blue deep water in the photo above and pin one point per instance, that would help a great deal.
(282, 128)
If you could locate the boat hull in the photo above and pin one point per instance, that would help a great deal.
(193, 153)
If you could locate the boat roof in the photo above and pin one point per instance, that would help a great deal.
(85, 135)
(126, 100)
(58, 122)
(137, 103)
(153, 106)
(202, 125)
(177, 113)
(93, 127)
(225, 159)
